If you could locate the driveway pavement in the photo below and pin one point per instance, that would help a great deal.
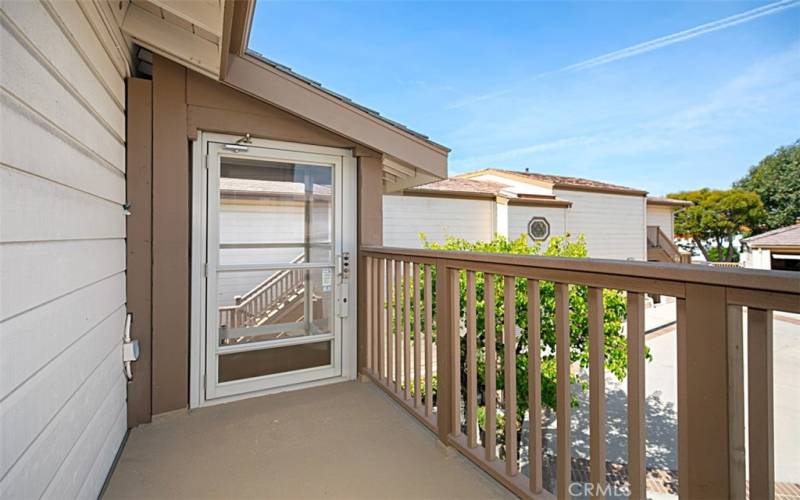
(661, 393)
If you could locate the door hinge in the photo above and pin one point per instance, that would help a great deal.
(205, 270)
(205, 382)
(205, 161)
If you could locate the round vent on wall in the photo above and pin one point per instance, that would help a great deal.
(538, 228)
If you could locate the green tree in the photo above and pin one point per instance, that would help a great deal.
(716, 218)
(776, 179)
(614, 311)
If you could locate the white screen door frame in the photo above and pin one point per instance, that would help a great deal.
(209, 151)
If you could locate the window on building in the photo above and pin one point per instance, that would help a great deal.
(538, 228)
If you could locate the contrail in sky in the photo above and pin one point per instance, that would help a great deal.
(681, 36)
(651, 45)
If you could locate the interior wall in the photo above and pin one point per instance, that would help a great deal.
(185, 102)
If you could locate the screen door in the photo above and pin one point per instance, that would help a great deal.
(277, 282)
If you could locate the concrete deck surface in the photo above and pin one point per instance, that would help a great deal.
(344, 440)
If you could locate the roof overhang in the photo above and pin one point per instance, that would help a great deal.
(211, 38)
(669, 202)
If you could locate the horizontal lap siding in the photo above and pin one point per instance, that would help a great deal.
(405, 217)
(614, 225)
(62, 251)
(520, 216)
(661, 217)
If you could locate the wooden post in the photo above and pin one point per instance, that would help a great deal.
(704, 412)
(417, 338)
(428, 342)
(407, 331)
(389, 323)
(444, 332)
(759, 378)
(472, 364)
(597, 394)
(490, 396)
(510, 383)
(563, 396)
(636, 397)
(534, 386)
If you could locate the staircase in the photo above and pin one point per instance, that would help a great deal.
(661, 248)
(273, 299)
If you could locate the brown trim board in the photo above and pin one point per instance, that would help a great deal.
(139, 231)
(171, 223)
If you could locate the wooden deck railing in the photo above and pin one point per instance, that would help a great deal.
(416, 320)
(657, 238)
(255, 305)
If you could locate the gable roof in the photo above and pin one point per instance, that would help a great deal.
(788, 236)
(457, 187)
(560, 181)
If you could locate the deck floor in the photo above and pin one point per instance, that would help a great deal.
(345, 440)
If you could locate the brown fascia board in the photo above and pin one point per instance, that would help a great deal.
(540, 202)
(669, 202)
(441, 193)
(463, 195)
(773, 247)
(607, 190)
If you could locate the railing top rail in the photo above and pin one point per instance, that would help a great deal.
(748, 279)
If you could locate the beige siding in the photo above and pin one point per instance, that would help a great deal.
(405, 217)
(62, 250)
(662, 217)
(614, 225)
(520, 216)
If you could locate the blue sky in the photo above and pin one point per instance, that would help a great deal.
(507, 84)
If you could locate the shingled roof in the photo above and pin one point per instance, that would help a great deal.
(788, 236)
(458, 185)
(560, 181)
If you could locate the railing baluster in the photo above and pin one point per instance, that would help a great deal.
(389, 322)
(369, 312)
(470, 413)
(759, 384)
(563, 396)
(736, 402)
(381, 319)
(407, 332)
(398, 327)
(444, 396)
(376, 315)
(534, 387)
(428, 342)
(510, 389)
(597, 393)
(490, 394)
(636, 397)
(417, 338)
(454, 308)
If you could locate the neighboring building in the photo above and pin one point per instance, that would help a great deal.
(618, 222)
(778, 249)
